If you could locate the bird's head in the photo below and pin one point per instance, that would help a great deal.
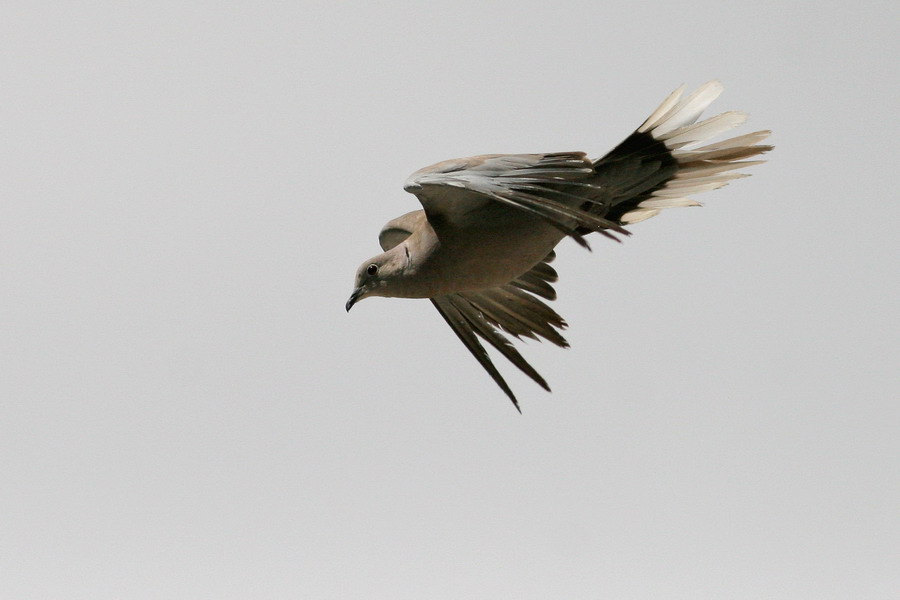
(380, 275)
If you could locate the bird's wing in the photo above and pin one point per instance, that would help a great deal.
(511, 308)
(397, 230)
(543, 185)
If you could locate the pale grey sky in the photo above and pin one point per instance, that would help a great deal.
(186, 411)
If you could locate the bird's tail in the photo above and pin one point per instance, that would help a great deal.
(662, 163)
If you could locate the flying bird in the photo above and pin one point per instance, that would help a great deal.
(481, 246)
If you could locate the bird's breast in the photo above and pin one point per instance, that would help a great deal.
(482, 256)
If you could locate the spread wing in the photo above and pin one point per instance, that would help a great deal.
(544, 185)
(511, 308)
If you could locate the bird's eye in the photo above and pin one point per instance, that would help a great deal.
(372, 269)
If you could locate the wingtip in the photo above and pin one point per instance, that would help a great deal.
(512, 398)
(508, 391)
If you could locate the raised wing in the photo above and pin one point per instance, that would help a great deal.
(544, 185)
(396, 230)
(511, 308)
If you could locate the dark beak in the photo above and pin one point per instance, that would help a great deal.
(354, 297)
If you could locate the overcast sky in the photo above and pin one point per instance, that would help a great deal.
(186, 411)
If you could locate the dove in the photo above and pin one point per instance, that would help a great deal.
(481, 247)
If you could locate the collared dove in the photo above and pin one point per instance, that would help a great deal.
(480, 249)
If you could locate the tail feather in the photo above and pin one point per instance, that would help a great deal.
(660, 165)
(687, 111)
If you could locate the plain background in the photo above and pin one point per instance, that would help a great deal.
(188, 412)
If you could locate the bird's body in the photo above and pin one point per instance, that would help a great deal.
(480, 247)
(443, 260)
